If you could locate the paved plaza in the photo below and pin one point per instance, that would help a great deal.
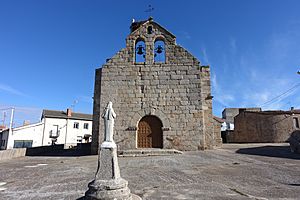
(243, 171)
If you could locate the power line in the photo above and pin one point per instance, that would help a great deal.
(280, 95)
(279, 98)
(6, 108)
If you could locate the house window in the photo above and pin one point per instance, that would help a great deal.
(76, 125)
(159, 51)
(86, 126)
(296, 122)
(140, 51)
(22, 143)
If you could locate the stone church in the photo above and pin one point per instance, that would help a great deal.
(160, 93)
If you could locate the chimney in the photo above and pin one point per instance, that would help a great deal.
(2, 127)
(69, 112)
(292, 108)
(241, 110)
(26, 122)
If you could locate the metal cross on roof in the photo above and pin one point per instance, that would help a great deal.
(150, 9)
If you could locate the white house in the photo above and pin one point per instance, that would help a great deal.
(23, 136)
(227, 126)
(56, 127)
(66, 127)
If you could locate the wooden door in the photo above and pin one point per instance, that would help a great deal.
(150, 133)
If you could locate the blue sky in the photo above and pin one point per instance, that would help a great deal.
(49, 49)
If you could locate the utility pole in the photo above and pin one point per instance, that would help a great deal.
(10, 141)
(4, 116)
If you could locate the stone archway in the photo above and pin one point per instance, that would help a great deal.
(149, 133)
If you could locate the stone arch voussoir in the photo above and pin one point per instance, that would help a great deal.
(149, 111)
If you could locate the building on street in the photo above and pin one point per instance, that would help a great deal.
(228, 115)
(55, 127)
(264, 126)
(160, 93)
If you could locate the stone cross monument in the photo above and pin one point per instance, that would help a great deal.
(108, 184)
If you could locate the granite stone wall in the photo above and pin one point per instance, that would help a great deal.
(263, 127)
(176, 91)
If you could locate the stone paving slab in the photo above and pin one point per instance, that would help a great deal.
(260, 171)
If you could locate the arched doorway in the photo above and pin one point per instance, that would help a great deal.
(150, 133)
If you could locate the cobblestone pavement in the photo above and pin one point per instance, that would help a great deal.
(244, 171)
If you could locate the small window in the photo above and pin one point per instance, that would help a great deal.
(86, 126)
(76, 125)
(140, 51)
(159, 51)
(79, 139)
(149, 30)
(296, 122)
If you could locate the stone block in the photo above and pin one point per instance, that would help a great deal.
(176, 76)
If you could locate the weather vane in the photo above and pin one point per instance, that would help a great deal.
(150, 9)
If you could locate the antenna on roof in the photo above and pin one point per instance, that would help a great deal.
(4, 116)
(73, 104)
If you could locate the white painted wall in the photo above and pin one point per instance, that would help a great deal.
(32, 132)
(74, 133)
(39, 133)
(50, 125)
(67, 133)
(227, 126)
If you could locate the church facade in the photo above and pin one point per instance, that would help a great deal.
(160, 93)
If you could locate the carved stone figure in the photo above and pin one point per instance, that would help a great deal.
(109, 116)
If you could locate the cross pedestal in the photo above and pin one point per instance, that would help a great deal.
(108, 184)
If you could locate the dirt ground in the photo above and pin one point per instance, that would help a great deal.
(237, 171)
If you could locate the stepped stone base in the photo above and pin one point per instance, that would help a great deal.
(108, 184)
(148, 152)
(108, 190)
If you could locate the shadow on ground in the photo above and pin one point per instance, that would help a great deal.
(270, 151)
(60, 151)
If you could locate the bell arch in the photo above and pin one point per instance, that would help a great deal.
(140, 50)
(159, 50)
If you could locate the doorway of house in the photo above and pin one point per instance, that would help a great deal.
(150, 132)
